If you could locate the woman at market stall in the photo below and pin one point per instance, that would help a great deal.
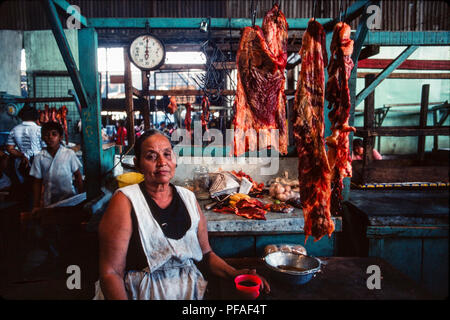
(152, 234)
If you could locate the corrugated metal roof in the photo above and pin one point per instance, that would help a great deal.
(399, 15)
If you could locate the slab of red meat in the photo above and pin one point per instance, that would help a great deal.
(309, 128)
(338, 96)
(172, 105)
(187, 117)
(205, 113)
(260, 100)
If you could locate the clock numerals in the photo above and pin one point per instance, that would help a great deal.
(146, 52)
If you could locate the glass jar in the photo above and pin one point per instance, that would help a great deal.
(201, 181)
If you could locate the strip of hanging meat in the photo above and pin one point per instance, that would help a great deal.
(205, 113)
(172, 105)
(309, 130)
(260, 102)
(338, 96)
(187, 117)
(64, 111)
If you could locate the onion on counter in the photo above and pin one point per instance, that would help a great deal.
(281, 192)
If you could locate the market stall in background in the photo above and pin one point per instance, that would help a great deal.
(263, 102)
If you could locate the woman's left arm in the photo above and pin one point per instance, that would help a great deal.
(215, 264)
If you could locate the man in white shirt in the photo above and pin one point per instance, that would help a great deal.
(24, 142)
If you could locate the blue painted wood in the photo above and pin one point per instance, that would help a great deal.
(432, 231)
(435, 266)
(66, 53)
(91, 120)
(191, 23)
(385, 73)
(407, 38)
(404, 254)
(233, 247)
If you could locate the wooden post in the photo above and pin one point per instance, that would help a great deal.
(369, 122)
(423, 120)
(129, 108)
(146, 108)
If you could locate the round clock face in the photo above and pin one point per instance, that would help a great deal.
(147, 52)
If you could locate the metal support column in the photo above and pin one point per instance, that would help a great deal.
(90, 117)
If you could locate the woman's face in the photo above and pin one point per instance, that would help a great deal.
(157, 161)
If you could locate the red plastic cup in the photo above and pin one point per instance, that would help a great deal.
(248, 285)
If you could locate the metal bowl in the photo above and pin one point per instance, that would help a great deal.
(292, 268)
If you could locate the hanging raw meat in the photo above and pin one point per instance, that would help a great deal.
(309, 128)
(63, 110)
(46, 114)
(338, 96)
(205, 113)
(187, 117)
(172, 105)
(260, 100)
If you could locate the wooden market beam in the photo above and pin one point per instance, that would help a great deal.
(408, 64)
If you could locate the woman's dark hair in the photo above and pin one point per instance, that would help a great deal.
(49, 126)
(28, 113)
(357, 143)
(146, 134)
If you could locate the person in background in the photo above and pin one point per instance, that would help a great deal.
(159, 264)
(54, 168)
(5, 182)
(23, 144)
(121, 134)
(358, 151)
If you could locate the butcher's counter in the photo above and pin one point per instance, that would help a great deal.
(234, 236)
(341, 278)
(407, 228)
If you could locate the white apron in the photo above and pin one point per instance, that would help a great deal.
(171, 273)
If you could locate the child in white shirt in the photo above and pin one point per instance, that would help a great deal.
(55, 167)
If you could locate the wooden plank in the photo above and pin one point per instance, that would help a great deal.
(423, 119)
(395, 131)
(415, 75)
(146, 108)
(406, 65)
(383, 174)
(129, 98)
(369, 122)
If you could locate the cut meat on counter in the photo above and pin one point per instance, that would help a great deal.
(338, 96)
(309, 128)
(260, 102)
(248, 208)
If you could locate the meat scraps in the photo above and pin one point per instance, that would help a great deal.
(248, 208)
(338, 96)
(257, 187)
(51, 114)
(260, 100)
(309, 128)
(187, 117)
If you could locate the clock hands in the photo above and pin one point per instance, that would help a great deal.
(146, 49)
